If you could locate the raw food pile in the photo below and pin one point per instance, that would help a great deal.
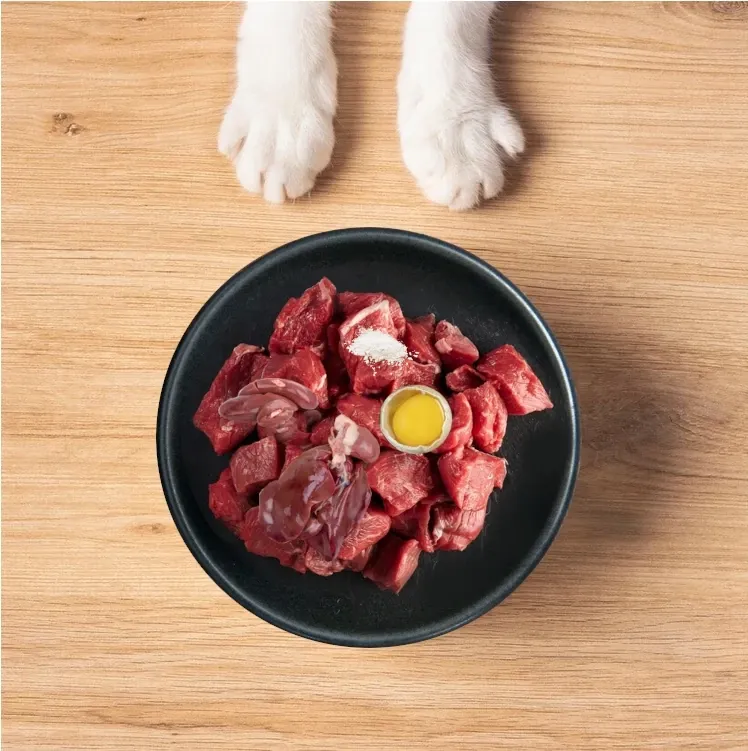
(318, 486)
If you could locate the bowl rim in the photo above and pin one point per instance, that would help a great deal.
(167, 468)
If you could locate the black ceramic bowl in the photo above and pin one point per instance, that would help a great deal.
(448, 589)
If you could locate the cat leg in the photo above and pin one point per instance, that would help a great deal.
(278, 128)
(455, 133)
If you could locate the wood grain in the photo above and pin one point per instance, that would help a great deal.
(627, 224)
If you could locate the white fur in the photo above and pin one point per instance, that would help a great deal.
(450, 119)
(278, 128)
(454, 131)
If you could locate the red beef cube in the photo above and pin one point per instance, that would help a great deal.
(368, 377)
(360, 562)
(321, 431)
(519, 387)
(463, 378)
(318, 564)
(414, 373)
(453, 346)
(393, 563)
(461, 433)
(377, 316)
(293, 451)
(401, 480)
(305, 368)
(373, 379)
(419, 339)
(291, 554)
(303, 322)
(235, 373)
(374, 525)
(499, 469)
(227, 504)
(489, 417)
(416, 523)
(438, 524)
(255, 465)
(469, 476)
(353, 302)
(454, 529)
(364, 411)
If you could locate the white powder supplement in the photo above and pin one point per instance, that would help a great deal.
(378, 346)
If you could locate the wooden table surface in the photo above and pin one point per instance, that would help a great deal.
(627, 224)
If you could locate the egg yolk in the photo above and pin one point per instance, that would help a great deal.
(418, 421)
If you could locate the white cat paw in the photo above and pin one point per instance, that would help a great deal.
(280, 137)
(455, 141)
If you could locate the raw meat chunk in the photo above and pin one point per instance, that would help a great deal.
(401, 480)
(300, 395)
(469, 476)
(274, 416)
(464, 377)
(287, 504)
(257, 541)
(519, 387)
(359, 562)
(255, 465)
(375, 376)
(305, 368)
(453, 528)
(419, 337)
(499, 468)
(453, 346)
(351, 439)
(365, 411)
(311, 418)
(292, 452)
(393, 563)
(489, 417)
(461, 433)
(353, 302)
(245, 408)
(377, 316)
(417, 523)
(303, 322)
(414, 373)
(374, 525)
(321, 431)
(438, 524)
(318, 564)
(340, 514)
(235, 373)
(276, 421)
(227, 504)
